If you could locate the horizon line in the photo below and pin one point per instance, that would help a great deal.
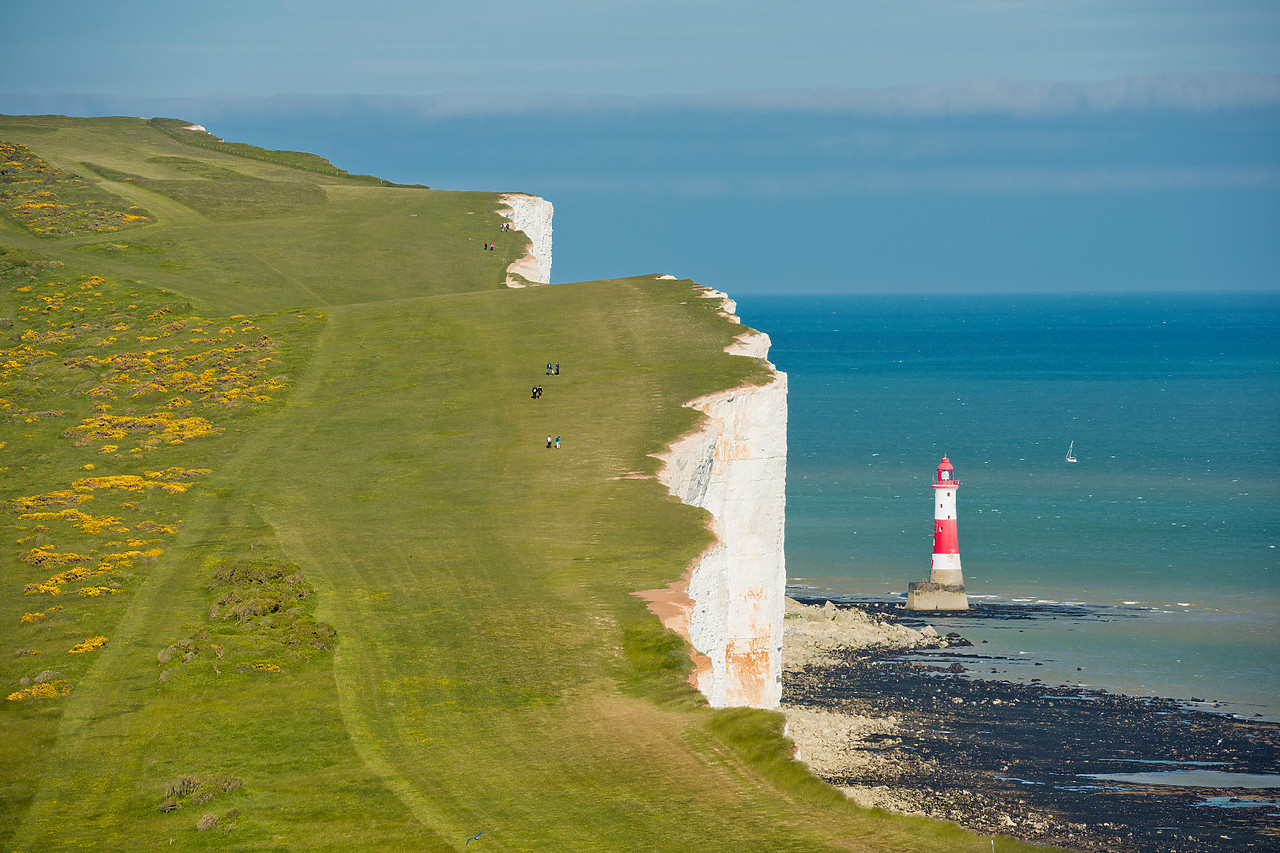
(1177, 91)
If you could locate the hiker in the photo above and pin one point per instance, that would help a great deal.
(557, 368)
(535, 393)
(548, 368)
(548, 442)
(557, 442)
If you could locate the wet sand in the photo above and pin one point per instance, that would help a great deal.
(897, 724)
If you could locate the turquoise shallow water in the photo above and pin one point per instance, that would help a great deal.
(1166, 527)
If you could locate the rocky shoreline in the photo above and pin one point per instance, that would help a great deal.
(875, 712)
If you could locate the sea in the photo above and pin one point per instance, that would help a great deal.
(1150, 562)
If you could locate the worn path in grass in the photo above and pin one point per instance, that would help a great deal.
(480, 581)
(484, 631)
(493, 672)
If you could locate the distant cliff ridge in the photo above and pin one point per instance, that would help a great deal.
(735, 467)
(532, 215)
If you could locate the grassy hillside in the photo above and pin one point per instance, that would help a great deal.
(286, 563)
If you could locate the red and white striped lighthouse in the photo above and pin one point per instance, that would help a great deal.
(945, 588)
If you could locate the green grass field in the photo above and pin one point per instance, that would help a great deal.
(269, 457)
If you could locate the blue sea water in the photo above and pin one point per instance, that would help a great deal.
(1165, 533)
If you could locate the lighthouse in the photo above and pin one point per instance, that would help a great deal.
(945, 588)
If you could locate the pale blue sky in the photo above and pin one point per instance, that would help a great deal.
(167, 48)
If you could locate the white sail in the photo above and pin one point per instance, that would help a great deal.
(1071, 457)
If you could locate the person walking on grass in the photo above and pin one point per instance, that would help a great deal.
(557, 442)
(548, 442)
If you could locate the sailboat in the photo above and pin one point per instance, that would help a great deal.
(1071, 457)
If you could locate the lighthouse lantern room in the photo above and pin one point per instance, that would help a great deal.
(945, 588)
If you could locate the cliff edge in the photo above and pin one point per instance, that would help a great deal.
(531, 215)
(730, 607)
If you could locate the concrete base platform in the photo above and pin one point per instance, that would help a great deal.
(926, 595)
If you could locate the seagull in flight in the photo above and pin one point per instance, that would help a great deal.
(473, 838)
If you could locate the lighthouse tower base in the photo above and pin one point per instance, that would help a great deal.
(927, 595)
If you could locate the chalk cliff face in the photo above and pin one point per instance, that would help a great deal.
(532, 215)
(735, 467)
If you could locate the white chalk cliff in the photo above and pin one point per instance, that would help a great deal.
(532, 216)
(735, 467)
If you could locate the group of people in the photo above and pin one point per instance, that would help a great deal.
(552, 370)
(489, 246)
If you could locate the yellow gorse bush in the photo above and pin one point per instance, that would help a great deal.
(45, 555)
(124, 557)
(63, 498)
(159, 427)
(165, 481)
(88, 645)
(53, 586)
(50, 202)
(88, 523)
(39, 617)
(48, 690)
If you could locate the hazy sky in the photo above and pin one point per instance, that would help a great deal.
(899, 145)
(162, 47)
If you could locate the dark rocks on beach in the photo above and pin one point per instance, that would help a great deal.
(1014, 759)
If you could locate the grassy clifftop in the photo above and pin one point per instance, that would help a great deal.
(193, 134)
(285, 561)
